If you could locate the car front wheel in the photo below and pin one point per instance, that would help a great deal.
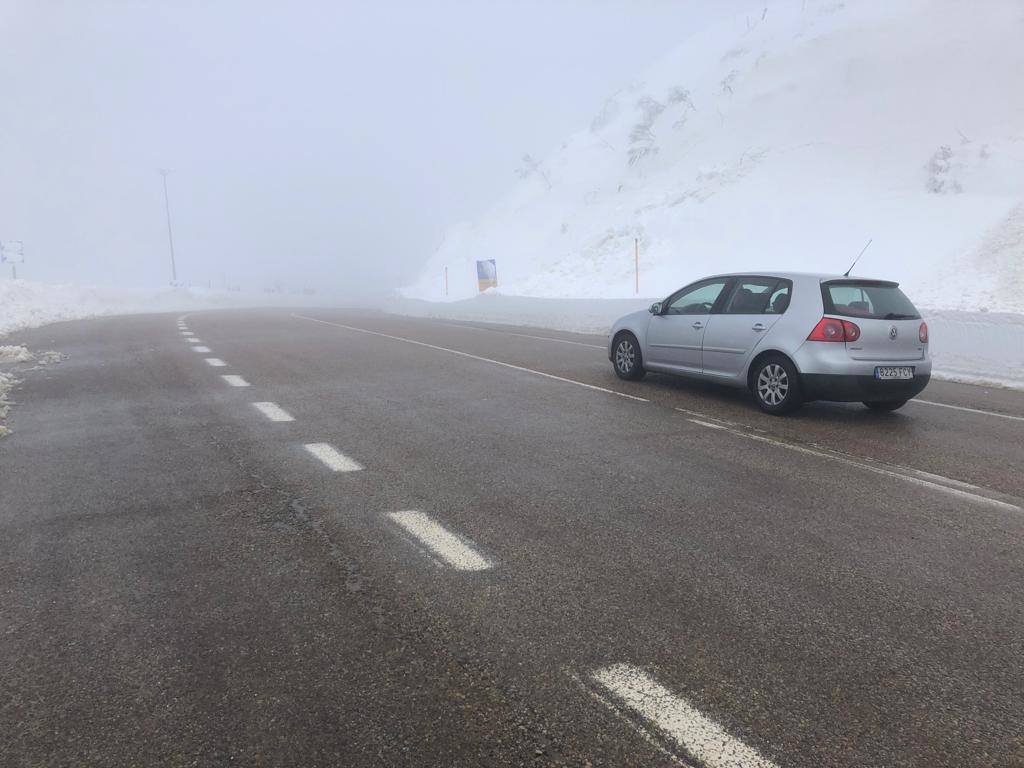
(626, 358)
(776, 386)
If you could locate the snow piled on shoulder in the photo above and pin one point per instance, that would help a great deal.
(15, 354)
(784, 142)
(27, 304)
(7, 383)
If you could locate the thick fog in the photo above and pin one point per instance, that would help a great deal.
(322, 144)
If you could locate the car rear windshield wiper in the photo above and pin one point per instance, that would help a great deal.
(898, 316)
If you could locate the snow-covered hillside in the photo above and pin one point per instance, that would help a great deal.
(785, 140)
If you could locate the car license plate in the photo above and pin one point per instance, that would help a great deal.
(885, 372)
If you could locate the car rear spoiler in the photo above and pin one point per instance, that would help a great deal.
(857, 281)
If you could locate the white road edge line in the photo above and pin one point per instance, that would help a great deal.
(273, 411)
(440, 541)
(707, 424)
(215, 362)
(476, 357)
(202, 350)
(910, 476)
(235, 381)
(551, 338)
(332, 458)
(969, 410)
(601, 346)
(521, 335)
(698, 736)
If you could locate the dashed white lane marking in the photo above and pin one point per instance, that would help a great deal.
(698, 736)
(215, 362)
(202, 350)
(235, 381)
(332, 458)
(969, 410)
(476, 357)
(273, 411)
(440, 541)
(193, 340)
(926, 479)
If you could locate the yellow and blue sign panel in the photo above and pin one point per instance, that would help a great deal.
(486, 274)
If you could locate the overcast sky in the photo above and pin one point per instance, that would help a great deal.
(317, 143)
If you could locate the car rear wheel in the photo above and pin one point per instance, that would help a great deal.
(885, 405)
(626, 358)
(776, 386)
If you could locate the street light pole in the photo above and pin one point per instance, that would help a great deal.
(170, 235)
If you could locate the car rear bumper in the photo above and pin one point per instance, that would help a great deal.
(854, 388)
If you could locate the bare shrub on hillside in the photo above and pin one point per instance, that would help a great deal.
(532, 167)
(679, 95)
(728, 81)
(609, 111)
(642, 141)
(940, 167)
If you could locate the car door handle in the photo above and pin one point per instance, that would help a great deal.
(698, 325)
(758, 326)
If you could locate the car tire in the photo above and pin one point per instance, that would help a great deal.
(885, 405)
(626, 358)
(775, 384)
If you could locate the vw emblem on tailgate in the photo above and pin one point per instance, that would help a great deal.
(893, 333)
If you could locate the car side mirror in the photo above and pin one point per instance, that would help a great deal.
(655, 308)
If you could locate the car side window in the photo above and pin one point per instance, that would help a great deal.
(696, 299)
(779, 300)
(751, 296)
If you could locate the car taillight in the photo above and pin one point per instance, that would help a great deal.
(922, 333)
(832, 329)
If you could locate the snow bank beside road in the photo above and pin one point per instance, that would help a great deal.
(977, 347)
(10, 356)
(14, 354)
(574, 315)
(26, 304)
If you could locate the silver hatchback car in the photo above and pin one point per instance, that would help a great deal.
(788, 337)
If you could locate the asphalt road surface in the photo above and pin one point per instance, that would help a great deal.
(331, 538)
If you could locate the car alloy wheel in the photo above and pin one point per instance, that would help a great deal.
(773, 385)
(625, 356)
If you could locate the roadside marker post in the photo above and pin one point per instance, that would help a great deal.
(636, 264)
(12, 252)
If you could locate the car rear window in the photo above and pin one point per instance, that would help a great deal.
(872, 299)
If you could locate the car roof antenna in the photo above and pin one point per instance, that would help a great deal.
(847, 272)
